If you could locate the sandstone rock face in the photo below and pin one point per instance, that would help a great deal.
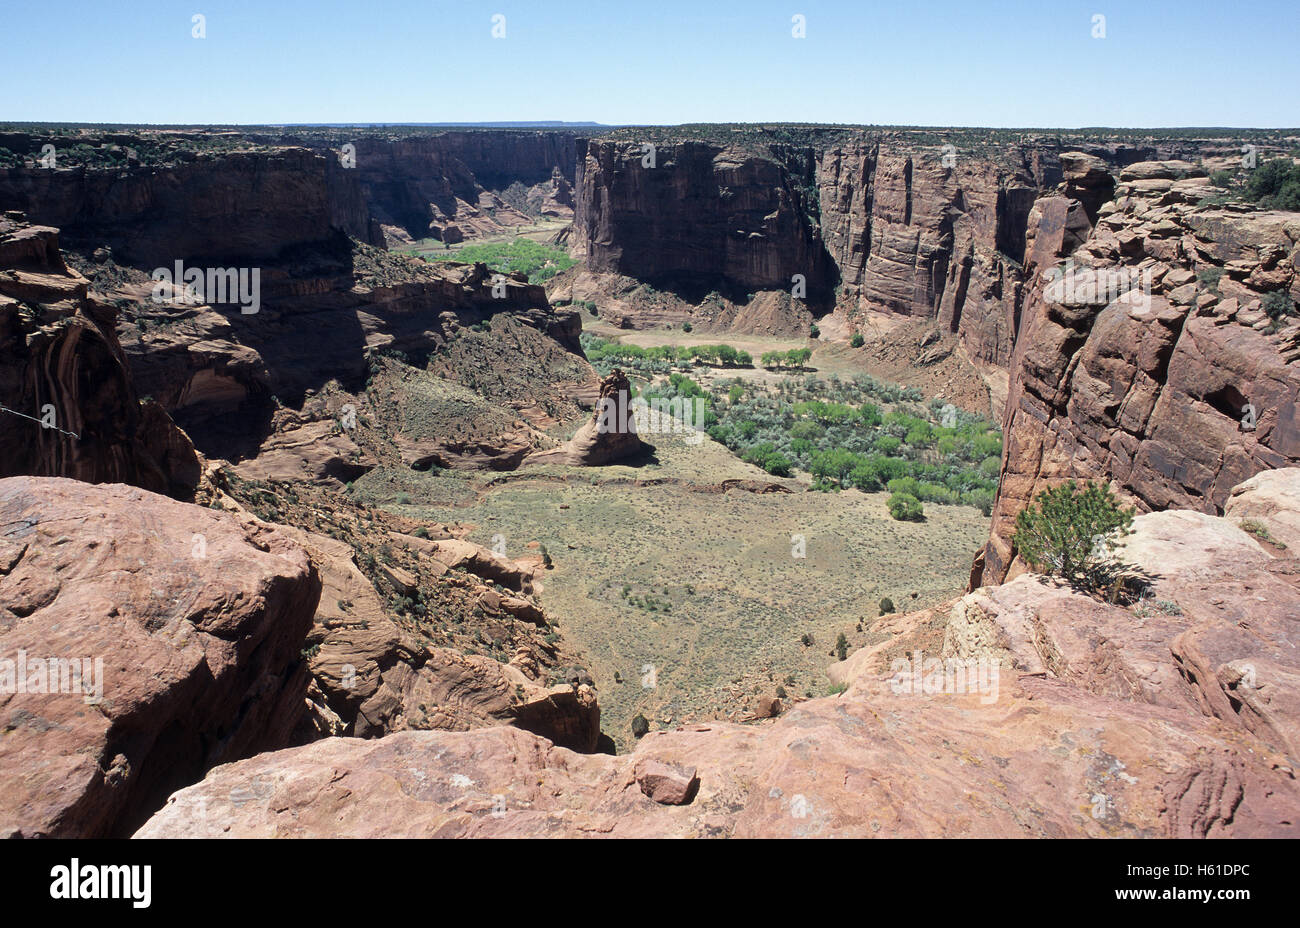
(1048, 714)
(702, 217)
(1271, 498)
(189, 625)
(75, 411)
(1174, 392)
(238, 206)
(919, 232)
(435, 185)
(371, 676)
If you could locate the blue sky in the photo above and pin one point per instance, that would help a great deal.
(912, 62)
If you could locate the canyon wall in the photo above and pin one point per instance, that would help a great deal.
(701, 218)
(71, 405)
(920, 233)
(1153, 360)
(248, 206)
(440, 185)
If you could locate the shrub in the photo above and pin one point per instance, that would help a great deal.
(841, 647)
(813, 331)
(906, 508)
(857, 340)
(886, 606)
(778, 465)
(640, 727)
(1066, 529)
(686, 326)
(983, 501)
(1210, 277)
(1275, 185)
(1278, 304)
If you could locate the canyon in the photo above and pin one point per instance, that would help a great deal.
(233, 509)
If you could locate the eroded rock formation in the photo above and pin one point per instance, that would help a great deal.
(72, 406)
(610, 434)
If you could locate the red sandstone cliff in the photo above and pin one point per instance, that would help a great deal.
(61, 365)
(1173, 399)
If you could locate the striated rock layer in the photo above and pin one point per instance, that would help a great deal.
(700, 218)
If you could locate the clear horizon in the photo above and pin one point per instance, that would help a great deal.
(1005, 64)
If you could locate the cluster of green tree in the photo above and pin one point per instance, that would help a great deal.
(834, 432)
(1275, 185)
(599, 349)
(539, 262)
(794, 358)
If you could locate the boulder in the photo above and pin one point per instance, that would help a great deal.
(190, 624)
(669, 786)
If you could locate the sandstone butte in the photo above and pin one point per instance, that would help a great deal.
(1171, 721)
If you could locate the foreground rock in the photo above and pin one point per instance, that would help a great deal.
(183, 629)
(373, 675)
(1171, 718)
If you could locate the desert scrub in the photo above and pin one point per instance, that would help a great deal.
(1260, 531)
(906, 508)
(841, 433)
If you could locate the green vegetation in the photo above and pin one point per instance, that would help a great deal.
(794, 358)
(1275, 185)
(1278, 304)
(886, 606)
(832, 429)
(857, 341)
(1260, 531)
(539, 262)
(660, 358)
(906, 508)
(1067, 531)
(640, 727)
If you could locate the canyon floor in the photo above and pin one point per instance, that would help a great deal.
(677, 579)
